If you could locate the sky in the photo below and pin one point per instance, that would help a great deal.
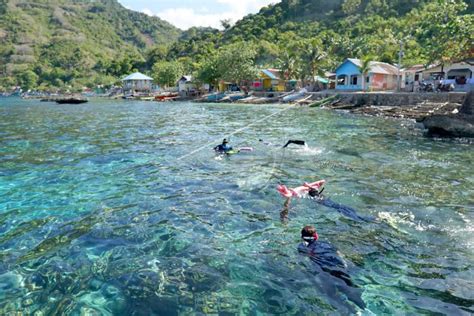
(187, 13)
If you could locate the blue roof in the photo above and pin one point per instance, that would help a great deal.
(137, 76)
(270, 74)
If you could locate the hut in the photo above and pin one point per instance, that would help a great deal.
(269, 80)
(381, 76)
(137, 83)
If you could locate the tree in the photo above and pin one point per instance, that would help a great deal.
(156, 54)
(27, 80)
(236, 62)
(226, 24)
(167, 72)
(208, 72)
(287, 63)
(350, 6)
(443, 32)
(313, 57)
(365, 68)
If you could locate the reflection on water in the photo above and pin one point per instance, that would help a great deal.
(99, 216)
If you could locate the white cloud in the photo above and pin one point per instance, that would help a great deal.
(147, 12)
(185, 18)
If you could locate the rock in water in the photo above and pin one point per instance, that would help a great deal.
(468, 105)
(456, 125)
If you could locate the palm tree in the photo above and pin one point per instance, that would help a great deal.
(365, 68)
(314, 55)
(287, 63)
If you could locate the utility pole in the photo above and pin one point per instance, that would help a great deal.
(400, 55)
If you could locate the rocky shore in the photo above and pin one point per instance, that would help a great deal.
(459, 124)
(443, 115)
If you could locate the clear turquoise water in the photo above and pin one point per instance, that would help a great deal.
(98, 215)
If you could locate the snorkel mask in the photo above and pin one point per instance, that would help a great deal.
(309, 239)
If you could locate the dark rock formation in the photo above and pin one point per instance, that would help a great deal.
(455, 125)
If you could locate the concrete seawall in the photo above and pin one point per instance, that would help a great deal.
(402, 99)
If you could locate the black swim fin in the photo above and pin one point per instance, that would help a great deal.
(296, 142)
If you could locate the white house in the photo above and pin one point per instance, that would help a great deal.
(461, 74)
(185, 84)
(137, 83)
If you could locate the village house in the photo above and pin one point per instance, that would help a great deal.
(269, 80)
(411, 77)
(186, 86)
(460, 74)
(381, 76)
(137, 83)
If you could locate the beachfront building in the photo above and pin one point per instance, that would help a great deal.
(411, 77)
(461, 74)
(381, 76)
(137, 83)
(269, 80)
(186, 86)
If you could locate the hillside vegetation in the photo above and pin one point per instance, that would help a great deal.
(308, 37)
(57, 43)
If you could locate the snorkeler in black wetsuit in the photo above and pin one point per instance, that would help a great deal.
(343, 209)
(327, 258)
(324, 254)
(224, 147)
(291, 141)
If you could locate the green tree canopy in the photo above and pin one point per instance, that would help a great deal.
(236, 62)
(167, 73)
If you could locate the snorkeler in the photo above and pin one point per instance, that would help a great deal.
(301, 191)
(224, 147)
(291, 141)
(328, 259)
(324, 254)
(314, 191)
(296, 142)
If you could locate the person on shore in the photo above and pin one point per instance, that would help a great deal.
(224, 147)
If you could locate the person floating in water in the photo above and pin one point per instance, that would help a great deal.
(301, 191)
(324, 254)
(224, 147)
(296, 142)
(328, 259)
(314, 190)
(291, 141)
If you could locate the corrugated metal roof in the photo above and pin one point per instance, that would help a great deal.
(272, 73)
(136, 76)
(376, 67)
(187, 78)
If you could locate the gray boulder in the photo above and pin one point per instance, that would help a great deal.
(455, 125)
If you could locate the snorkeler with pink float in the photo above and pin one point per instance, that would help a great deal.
(314, 191)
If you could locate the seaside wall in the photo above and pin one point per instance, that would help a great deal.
(394, 99)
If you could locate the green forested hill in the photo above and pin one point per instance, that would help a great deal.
(305, 37)
(60, 41)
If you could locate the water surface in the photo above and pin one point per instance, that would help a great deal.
(110, 208)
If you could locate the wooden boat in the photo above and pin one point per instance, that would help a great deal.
(166, 96)
(302, 100)
(295, 96)
(215, 97)
(248, 99)
(72, 100)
